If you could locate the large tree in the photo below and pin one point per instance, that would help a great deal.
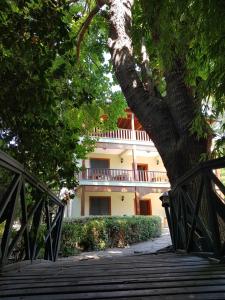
(168, 59)
(166, 119)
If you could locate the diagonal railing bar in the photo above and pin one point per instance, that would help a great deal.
(11, 164)
(195, 210)
(54, 223)
(201, 225)
(218, 182)
(25, 215)
(9, 222)
(24, 227)
(8, 194)
(194, 220)
(34, 229)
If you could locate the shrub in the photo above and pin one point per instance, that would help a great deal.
(99, 233)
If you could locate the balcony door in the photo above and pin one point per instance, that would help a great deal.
(142, 172)
(99, 168)
(99, 163)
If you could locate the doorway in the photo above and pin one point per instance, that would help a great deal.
(145, 207)
(142, 172)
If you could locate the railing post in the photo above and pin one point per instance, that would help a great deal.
(58, 233)
(48, 248)
(25, 221)
(213, 221)
(165, 198)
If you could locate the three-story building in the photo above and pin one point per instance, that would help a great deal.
(123, 176)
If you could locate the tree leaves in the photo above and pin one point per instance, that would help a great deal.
(47, 99)
(193, 31)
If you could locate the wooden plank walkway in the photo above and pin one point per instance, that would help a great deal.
(163, 276)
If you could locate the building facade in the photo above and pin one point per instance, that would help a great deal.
(123, 176)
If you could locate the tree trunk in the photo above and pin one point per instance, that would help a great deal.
(167, 120)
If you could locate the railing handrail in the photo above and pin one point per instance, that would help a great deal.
(210, 164)
(43, 207)
(195, 210)
(12, 164)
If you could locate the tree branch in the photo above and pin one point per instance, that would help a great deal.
(86, 24)
(71, 1)
(145, 70)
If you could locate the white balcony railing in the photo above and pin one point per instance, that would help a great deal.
(123, 134)
(123, 175)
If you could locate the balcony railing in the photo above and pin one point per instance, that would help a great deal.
(123, 134)
(123, 175)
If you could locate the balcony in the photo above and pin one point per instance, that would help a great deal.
(130, 176)
(123, 134)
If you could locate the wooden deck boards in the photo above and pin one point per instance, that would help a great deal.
(163, 276)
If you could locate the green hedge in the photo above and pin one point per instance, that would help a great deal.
(99, 233)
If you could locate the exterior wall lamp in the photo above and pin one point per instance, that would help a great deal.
(122, 198)
(121, 160)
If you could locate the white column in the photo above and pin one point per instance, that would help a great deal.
(133, 127)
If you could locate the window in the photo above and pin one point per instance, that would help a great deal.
(100, 206)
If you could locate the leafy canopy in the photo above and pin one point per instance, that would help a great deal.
(193, 31)
(48, 99)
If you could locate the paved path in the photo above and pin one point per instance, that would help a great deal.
(150, 246)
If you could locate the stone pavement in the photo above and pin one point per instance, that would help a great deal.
(150, 246)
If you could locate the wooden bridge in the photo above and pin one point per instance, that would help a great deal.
(195, 209)
(163, 276)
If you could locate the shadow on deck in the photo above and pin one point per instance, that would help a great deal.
(150, 276)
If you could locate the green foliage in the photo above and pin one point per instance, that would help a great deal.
(2, 227)
(48, 99)
(222, 176)
(193, 32)
(98, 233)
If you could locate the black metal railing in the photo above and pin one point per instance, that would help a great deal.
(30, 215)
(195, 210)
